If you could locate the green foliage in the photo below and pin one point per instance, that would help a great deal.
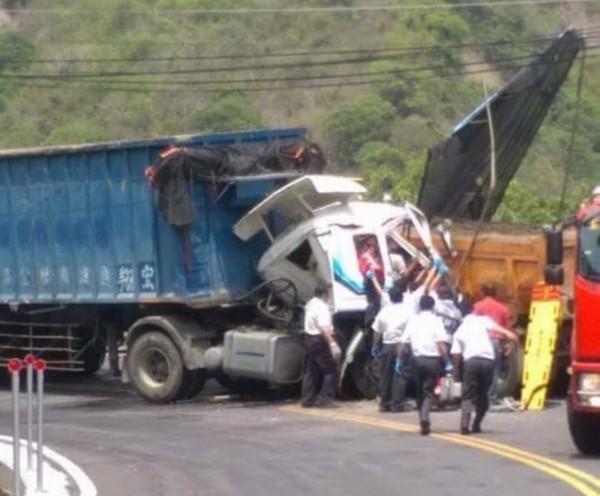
(16, 51)
(381, 129)
(523, 204)
(76, 131)
(227, 112)
(358, 122)
(380, 154)
(405, 181)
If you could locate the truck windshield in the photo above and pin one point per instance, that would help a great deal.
(589, 249)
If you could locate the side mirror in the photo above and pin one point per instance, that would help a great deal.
(554, 246)
(554, 275)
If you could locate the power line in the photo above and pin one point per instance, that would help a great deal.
(220, 69)
(304, 77)
(57, 85)
(301, 10)
(313, 53)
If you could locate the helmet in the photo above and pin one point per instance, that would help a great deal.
(596, 190)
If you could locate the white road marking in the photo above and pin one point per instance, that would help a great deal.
(59, 471)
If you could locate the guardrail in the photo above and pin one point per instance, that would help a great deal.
(15, 367)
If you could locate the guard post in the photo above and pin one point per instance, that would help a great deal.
(29, 361)
(40, 365)
(14, 367)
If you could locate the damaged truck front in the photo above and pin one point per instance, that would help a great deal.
(196, 267)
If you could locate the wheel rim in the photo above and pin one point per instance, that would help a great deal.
(155, 367)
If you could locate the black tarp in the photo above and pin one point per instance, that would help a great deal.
(456, 182)
(178, 168)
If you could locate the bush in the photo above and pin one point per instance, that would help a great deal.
(361, 121)
(228, 112)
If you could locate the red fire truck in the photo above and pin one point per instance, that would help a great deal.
(584, 388)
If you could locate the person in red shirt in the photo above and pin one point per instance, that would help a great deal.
(490, 307)
(590, 205)
(371, 268)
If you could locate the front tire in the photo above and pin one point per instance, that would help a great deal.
(585, 430)
(193, 383)
(156, 368)
(362, 377)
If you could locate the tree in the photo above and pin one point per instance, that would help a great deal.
(228, 111)
(353, 124)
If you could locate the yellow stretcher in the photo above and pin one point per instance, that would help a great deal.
(542, 333)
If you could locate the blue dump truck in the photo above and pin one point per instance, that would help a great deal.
(195, 254)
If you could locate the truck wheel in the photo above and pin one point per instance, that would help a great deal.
(193, 383)
(585, 430)
(511, 373)
(155, 367)
(362, 377)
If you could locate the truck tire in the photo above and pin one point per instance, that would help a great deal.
(156, 368)
(511, 373)
(362, 377)
(193, 383)
(585, 430)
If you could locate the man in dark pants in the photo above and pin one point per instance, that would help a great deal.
(427, 337)
(472, 344)
(490, 307)
(388, 327)
(319, 383)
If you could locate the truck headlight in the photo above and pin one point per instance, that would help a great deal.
(588, 391)
(589, 383)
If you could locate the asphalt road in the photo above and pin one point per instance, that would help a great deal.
(266, 445)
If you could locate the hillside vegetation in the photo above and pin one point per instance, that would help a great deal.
(375, 87)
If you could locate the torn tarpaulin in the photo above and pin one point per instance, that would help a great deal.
(177, 169)
(456, 182)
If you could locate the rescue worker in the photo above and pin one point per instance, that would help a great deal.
(591, 204)
(388, 327)
(472, 349)
(490, 307)
(447, 310)
(397, 261)
(371, 268)
(426, 335)
(319, 383)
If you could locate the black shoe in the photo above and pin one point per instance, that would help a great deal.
(476, 428)
(384, 409)
(465, 431)
(326, 403)
(425, 428)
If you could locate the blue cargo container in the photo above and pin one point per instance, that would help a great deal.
(80, 225)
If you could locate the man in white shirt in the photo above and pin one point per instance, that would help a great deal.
(388, 328)
(426, 334)
(319, 383)
(472, 344)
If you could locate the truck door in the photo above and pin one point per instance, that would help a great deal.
(343, 246)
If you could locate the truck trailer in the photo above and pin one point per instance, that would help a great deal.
(198, 265)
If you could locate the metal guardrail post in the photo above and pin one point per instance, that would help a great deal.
(14, 366)
(39, 366)
(29, 360)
